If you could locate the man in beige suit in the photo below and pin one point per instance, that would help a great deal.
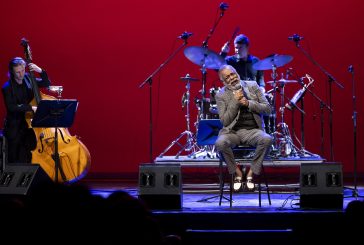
(241, 105)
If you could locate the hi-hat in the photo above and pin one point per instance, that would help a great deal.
(271, 61)
(188, 78)
(283, 81)
(204, 57)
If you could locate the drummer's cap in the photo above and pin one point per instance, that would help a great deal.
(241, 39)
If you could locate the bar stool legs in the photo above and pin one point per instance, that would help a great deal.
(266, 187)
(222, 183)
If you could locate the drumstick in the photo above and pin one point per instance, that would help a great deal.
(237, 29)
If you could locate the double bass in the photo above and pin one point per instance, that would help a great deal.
(73, 157)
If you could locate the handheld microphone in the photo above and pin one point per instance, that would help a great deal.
(185, 35)
(295, 37)
(237, 87)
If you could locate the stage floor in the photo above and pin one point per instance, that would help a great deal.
(201, 220)
(205, 197)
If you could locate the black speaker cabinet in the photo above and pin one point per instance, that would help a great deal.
(3, 151)
(160, 185)
(21, 179)
(321, 185)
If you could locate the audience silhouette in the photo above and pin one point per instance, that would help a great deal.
(71, 213)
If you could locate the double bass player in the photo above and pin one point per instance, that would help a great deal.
(17, 93)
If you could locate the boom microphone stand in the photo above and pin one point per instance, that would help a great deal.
(296, 38)
(300, 96)
(184, 36)
(223, 6)
(204, 65)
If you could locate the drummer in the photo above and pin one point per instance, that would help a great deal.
(243, 61)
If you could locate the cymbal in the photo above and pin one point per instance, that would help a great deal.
(204, 56)
(188, 78)
(272, 60)
(283, 81)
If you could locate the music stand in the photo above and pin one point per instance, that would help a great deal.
(207, 133)
(55, 114)
(208, 130)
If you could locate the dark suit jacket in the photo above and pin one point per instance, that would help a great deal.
(15, 117)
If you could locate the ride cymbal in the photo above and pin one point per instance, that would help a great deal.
(271, 61)
(204, 57)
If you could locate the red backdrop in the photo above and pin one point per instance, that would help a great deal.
(101, 51)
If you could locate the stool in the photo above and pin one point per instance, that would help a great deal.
(236, 151)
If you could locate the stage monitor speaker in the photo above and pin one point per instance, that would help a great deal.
(3, 151)
(22, 179)
(160, 185)
(321, 185)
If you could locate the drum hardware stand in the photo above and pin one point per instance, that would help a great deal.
(190, 141)
(286, 146)
(275, 147)
(184, 36)
(355, 192)
(296, 38)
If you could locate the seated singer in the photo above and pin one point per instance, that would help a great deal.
(241, 105)
(18, 93)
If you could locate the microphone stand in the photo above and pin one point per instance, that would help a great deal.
(149, 80)
(331, 79)
(355, 190)
(203, 152)
(322, 106)
(222, 7)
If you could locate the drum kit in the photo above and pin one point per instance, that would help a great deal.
(207, 59)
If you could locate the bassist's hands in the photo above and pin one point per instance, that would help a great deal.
(34, 67)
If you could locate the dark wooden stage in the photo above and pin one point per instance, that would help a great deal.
(201, 220)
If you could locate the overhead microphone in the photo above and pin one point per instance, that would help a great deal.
(295, 37)
(185, 35)
(223, 6)
(351, 68)
(289, 72)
